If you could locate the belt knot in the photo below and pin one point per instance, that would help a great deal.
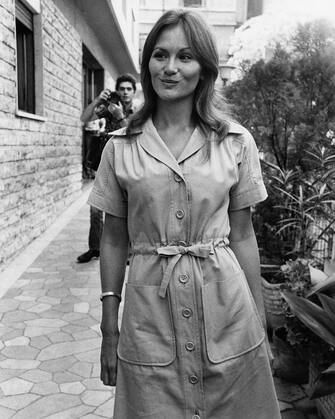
(175, 252)
(199, 250)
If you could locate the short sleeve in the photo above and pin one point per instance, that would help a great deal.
(107, 194)
(250, 188)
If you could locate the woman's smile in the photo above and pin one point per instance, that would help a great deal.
(169, 83)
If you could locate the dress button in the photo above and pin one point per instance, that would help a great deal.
(180, 214)
(177, 178)
(193, 379)
(190, 346)
(187, 312)
(183, 278)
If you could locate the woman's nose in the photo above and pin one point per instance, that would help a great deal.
(170, 67)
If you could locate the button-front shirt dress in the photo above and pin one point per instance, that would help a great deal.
(191, 342)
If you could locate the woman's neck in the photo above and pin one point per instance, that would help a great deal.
(174, 124)
(174, 114)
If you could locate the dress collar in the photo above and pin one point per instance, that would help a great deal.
(235, 128)
(153, 144)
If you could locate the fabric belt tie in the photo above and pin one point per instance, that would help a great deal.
(200, 250)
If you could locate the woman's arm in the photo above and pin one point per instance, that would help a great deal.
(113, 258)
(244, 245)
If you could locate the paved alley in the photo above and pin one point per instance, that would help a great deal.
(50, 337)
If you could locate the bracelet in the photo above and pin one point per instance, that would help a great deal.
(110, 294)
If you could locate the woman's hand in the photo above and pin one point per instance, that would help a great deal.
(108, 358)
(113, 258)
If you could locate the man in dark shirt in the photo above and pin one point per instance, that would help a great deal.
(116, 116)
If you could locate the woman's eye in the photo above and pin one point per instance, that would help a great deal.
(185, 57)
(159, 55)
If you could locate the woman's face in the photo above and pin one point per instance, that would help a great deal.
(174, 70)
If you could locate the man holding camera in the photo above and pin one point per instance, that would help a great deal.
(115, 108)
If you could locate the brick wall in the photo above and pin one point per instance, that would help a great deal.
(40, 161)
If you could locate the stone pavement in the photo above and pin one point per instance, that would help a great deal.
(50, 337)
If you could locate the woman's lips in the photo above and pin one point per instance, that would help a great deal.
(167, 81)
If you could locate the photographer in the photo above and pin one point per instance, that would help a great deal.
(114, 108)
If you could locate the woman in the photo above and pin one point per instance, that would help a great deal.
(180, 182)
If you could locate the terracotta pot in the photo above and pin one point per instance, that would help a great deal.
(273, 304)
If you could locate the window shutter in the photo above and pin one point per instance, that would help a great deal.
(23, 14)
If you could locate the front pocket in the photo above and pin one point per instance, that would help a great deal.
(232, 325)
(146, 336)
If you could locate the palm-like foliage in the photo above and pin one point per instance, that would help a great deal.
(319, 317)
(304, 197)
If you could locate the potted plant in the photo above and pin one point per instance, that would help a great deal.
(272, 282)
(303, 218)
(293, 275)
(291, 342)
(316, 311)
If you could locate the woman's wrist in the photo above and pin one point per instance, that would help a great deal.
(109, 324)
(110, 294)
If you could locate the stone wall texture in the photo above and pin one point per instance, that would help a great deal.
(40, 161)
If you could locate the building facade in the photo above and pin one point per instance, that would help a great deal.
(224, 16)
(55, 57)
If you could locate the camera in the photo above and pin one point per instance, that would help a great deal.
(114, 97)
(102, 110)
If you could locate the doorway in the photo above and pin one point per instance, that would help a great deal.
(93, 84)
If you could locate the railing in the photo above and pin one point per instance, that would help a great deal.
(324, 248)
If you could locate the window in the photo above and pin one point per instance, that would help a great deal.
(93, 84)
(93, 77)
(255, 8)
(29, 59)
(25, 58)
(192, 3)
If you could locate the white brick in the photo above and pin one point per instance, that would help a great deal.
(40, 162)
